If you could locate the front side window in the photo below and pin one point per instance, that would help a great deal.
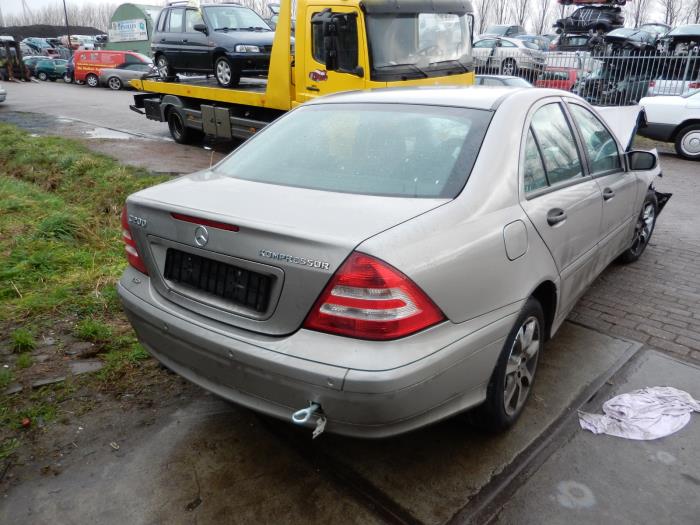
(369, 149)
(485, 44)
(557, 144)
(175, 20)
(347, 42)
(192, 18)
(600, 145)
(418, 45)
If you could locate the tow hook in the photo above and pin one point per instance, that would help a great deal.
(301, 417)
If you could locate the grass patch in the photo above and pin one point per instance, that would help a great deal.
(119, 362)
(22, 340)
(61, 246)
(24, 360)
(6, 378)
(8, 447)
(93, 331)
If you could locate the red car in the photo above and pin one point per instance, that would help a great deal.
(557, 78)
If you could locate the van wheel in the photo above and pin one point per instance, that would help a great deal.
(512, 379)
(43, 76)
(164, 70)
(225, 74)
(114, 84)
(67, 79)
(92, 80)
(179, 130)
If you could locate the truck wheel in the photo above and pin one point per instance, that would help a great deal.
(92, 80)
(43, 76)
(179, 130)
(688, 142)
(225, 74)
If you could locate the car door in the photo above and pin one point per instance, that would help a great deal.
(483, 50)
(196, 54)
(561, 200)
(619, 187)
(171, 39)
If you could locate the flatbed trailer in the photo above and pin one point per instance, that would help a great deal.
(366, 31)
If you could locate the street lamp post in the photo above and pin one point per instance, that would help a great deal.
(65, 12)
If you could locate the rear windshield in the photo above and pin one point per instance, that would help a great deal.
(370, 149)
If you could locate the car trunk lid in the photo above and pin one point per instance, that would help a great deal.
(250, 254)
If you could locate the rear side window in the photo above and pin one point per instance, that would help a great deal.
(535, 176)
(557, 144)
(600, 145)
(369, 149)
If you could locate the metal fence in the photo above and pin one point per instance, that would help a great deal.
(616, 79)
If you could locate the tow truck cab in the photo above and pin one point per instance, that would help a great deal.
(339, 45)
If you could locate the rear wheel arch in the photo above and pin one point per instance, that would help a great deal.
(546, 295)
(683, 125)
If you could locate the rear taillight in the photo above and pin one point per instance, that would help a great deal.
(368, 299)
(132, 253)
(652, 83)
(694, 85)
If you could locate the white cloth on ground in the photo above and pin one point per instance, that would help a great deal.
(649, 413)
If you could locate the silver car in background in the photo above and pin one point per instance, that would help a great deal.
(3, 94)
(379, 261)
(118, 78)
(508, 56)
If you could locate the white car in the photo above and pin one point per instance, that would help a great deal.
(3, 94)
(674, 119)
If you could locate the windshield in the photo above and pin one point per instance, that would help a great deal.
(496, 30)
(685, 30)
(369, 149)
(423, 43)
(232, 18)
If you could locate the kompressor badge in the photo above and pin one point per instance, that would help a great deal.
(293, 259)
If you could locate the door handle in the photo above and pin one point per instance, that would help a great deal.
(608, 194)
(312, 88)
(184, 40)
(556, 216)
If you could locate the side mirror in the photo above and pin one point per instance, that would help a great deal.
(642, 160)
(202, 28)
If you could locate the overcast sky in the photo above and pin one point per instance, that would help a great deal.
(11, 7)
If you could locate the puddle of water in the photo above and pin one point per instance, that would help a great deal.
(104, 133)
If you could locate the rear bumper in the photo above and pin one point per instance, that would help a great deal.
(263, 375)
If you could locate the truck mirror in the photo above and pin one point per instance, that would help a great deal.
(202, 28)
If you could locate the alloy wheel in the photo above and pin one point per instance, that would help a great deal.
(521, 366)
(223, 72)
(115, 84)
(644, 227)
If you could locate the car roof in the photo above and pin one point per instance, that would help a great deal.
(474, 97)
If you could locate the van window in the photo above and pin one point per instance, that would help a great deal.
(175, 21)
(192, 18)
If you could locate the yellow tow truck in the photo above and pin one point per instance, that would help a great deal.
(338, 45)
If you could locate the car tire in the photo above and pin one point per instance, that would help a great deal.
(92, 80)
(512, 379)
(688, 142)
(509, 67)
(114, 83)
(179, 131)
(67, 79)
(42, 76)
(643, 229)
(225, 74)
(165, 71)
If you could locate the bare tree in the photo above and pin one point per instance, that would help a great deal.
(501, 11)
(92, 15)
(520, 11)
(541, 12)
(693, 12)
(483, 13)
(637, 12)
(671, 10)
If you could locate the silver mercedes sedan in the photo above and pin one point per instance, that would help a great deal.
(373, 262)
